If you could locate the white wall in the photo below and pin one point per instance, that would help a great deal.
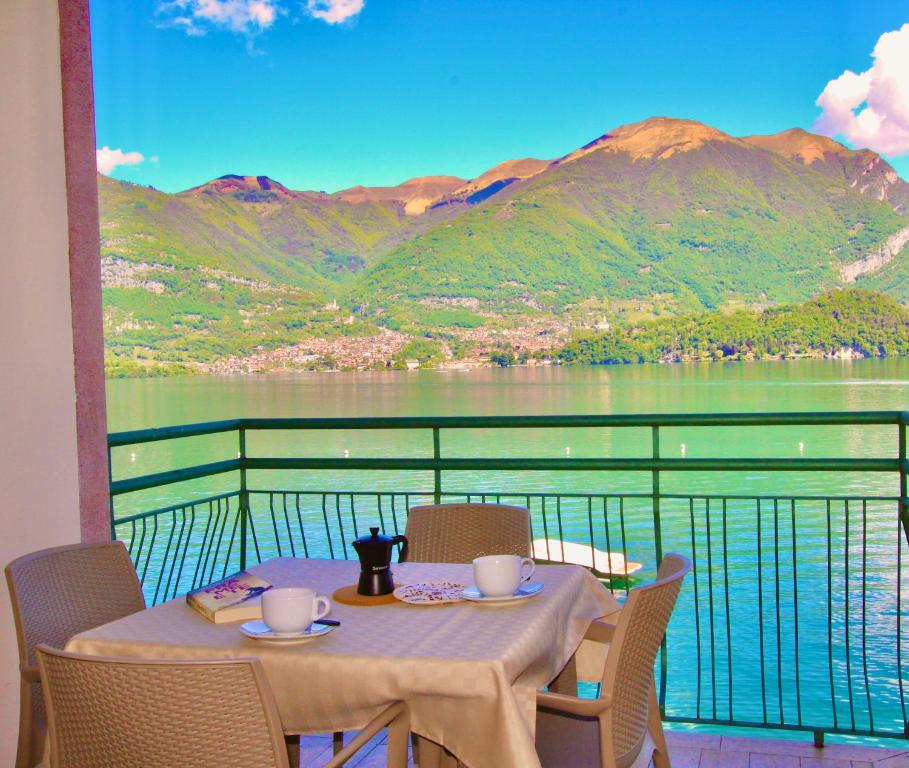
(39, 494)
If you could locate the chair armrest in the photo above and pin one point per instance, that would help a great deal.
(600, 631)
(396, 712)
(29, 674)
(573, 705)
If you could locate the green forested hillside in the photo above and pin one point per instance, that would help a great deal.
(850, 322)
(723, 223)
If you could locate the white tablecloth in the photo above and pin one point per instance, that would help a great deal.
(468, 672)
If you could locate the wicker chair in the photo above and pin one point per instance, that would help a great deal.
(115, 713)
(621, 728)
(457, 533)
(55, 594)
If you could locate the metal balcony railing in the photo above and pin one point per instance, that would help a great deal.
(794, 616)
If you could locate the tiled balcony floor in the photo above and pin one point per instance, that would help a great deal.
(687, 750)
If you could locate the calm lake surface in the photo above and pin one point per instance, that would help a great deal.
(796, 606)
(696, 387)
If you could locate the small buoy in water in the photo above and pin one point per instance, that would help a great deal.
(238, 454)
(683, 448)
(568, 450)
(801, 447)
(346, 454)
(132, 457)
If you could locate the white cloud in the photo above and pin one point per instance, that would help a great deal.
(334, 11)
(871, 109)
(244, 16)
(109, 159)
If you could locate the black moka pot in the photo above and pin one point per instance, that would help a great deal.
(374, 552)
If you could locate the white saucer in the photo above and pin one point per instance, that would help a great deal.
(525, 591)
(258, 630)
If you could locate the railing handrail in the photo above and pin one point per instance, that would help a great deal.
(818, 418)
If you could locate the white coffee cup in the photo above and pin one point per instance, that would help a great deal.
(288, 610)
(501, 575)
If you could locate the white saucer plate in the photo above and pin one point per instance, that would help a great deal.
(430, 593)
(259, 630)
(523, 592)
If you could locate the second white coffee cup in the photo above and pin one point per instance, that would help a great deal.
(292, 609)
(501, 575)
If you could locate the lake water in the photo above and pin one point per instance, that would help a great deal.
(696, 387)
(795, 608)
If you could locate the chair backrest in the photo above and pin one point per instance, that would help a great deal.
(109, 713)
(457, 533)
(55, 594)
(59, 592)
(628, 675)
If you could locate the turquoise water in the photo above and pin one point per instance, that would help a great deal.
(760, 617)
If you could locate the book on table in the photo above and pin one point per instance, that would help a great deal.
(233, 598)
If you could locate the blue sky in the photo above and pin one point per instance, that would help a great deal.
(325, 94)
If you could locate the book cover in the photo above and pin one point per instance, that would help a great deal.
(234, 598)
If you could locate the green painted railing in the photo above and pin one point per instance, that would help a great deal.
(793, 618)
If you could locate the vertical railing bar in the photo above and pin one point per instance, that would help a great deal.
(530, 516)
(902, 529)
(394, 514)
(189, 538)
(710, 605)
(795, 615)
(233, 535)
(302, 527)
(274, 523)
(846, 619)
(728, 619)
(353, 516)
(625, 557)
(830, 617)
(252, 530)
(244, 497)
(760, 593)
(151, 547)
(223, 519)
(214, 512)
(217, 532)
(545, 526)
(561, 531)
(132, 538)
(141, 548)
(436, 473)
(331, 548)
(203, 548)
(340, 524)
(697, 602)
(899, 628)
(290, 536)
(590, 531)
(173, 562)
(864, 613)
(903, 506)
(110, 496)
(379, 508)
(779, 632)
(658, 550)
(608, 544)
(170, 539)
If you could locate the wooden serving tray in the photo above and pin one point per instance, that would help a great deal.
(349, 596)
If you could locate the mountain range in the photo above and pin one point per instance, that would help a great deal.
(650, 219)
